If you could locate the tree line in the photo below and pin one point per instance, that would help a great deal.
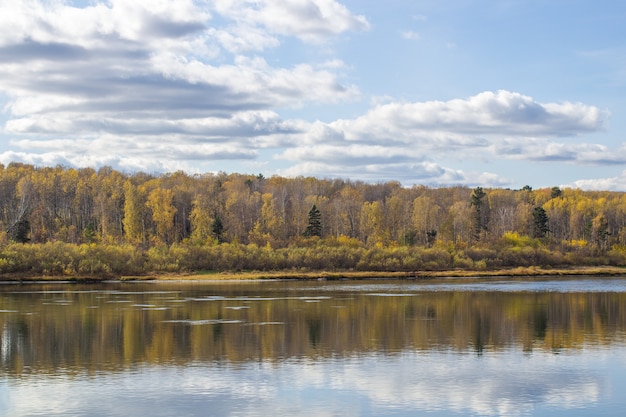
(106, 207)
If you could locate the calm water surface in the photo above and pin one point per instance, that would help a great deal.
(347, 348)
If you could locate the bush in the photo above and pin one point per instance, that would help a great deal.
(99, 259)
(617, 255)
(479, 253)
(462, 262)
(517, 240)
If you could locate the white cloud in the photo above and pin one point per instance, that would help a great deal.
(410, 35)
(240, 40)
(309, 20)
(487, 113)
(349, 153)
(408, 173)
(252, 80)
(244, 124)
(130, 83)
(160, 85)
(544, 149)
(617, 183)
(58, 23)
(417, 142)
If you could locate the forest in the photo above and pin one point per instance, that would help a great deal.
(59, 221)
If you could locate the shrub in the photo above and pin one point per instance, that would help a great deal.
(517, 240)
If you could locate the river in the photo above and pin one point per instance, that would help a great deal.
(325, 348)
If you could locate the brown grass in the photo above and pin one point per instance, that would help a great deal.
(356, 275)
(532, 271)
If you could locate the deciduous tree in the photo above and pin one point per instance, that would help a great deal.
(163, 211)
(134, 221)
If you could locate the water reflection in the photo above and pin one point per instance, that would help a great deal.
(282, 348)
(401, 384)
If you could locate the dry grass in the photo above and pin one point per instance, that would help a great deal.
(532, 271)
(323, 275)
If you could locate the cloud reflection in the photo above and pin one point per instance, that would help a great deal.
(497, 383)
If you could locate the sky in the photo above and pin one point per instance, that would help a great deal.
(499, 94)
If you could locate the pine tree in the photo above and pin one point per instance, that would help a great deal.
(218, 229)
(540, 222)
(480, 215)
(315, 223)
(20, 231)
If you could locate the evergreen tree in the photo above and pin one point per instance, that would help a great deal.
(431, 236)
(315, 223)
(218, 228)
(20, 231)
(480, 215)
(540, 222)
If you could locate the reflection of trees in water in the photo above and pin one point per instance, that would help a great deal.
(107, 330)
(315, 331)
(540, 322)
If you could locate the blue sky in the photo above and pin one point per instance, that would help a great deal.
(466, 92)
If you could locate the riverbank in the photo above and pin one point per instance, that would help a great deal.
(358, 275)
(325, 275)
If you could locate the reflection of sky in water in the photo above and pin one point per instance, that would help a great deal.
(565, 285)
(585, 381)
(442, 383)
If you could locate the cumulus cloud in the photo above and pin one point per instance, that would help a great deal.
(309, 20)
(488, 113)
(415, 141)
(152, 79)
(51, 48)
(417, 172)
(91, 27)
(161, 85)
(616, 183)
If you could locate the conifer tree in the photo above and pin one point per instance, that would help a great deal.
(315, 223)
(218, 229)
(480, 214)
(540, 222)
(19, 232)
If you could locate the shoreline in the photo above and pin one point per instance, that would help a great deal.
(530, 272)
(413, 275)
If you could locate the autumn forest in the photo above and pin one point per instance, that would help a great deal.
(64, 222)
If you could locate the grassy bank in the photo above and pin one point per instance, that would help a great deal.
(360, 275)
(324, 275)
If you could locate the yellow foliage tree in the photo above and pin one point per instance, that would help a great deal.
(134, 227)
(160, 202)
(201, 220)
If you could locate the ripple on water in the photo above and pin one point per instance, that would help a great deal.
(203, 322)
(390, 294)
